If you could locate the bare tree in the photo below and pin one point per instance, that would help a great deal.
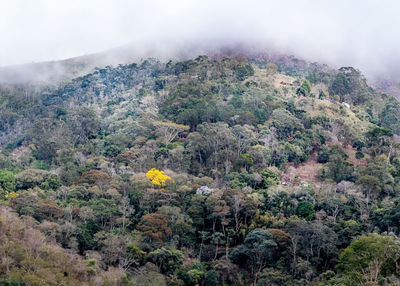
(170, 130)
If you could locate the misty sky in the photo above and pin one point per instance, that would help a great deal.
(362, 33)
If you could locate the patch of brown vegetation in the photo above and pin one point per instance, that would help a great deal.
(21, 152)
(306, 172)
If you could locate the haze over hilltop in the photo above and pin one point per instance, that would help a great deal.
(363, 34)
(77, 66)
(52, 72)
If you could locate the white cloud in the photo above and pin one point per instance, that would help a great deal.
(362, 33)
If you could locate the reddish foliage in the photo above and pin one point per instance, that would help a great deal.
(154, 227)
(95, 177)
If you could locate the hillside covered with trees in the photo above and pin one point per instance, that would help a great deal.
(208, 171)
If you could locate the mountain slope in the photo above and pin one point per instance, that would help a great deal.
(227, 169)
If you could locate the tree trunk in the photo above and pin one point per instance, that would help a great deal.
(216, 252)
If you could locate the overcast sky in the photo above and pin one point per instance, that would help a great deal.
(363, 33)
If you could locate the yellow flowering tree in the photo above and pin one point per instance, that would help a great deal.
(12, 195)
(158, 177)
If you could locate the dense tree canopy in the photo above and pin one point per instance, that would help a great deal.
(208, 171)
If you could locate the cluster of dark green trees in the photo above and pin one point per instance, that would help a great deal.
(192, 173)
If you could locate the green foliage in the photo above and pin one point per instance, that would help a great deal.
(338, 168)
(257, 249)
(9, 282)
(340, 85)
(285, 123)
(243, 70)
(304, 89)
(52, 182)
(377, 139)
(112, 151)
(359, 155)
(196, 273)
(85, 235)
(245, 160)
(358, 144)
(269, 178)
(212, 278)
(305, 210)
(323, 156)
(377, 134)
(39, 208)
(7, 183)
(191, 103)
(351, 86)
(272, 277)
(167, 260)
(369, 258)
(390, 115)
(30, 178)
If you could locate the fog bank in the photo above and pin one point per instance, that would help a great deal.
(360, 33)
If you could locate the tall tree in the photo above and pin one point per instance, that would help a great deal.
(257, 249)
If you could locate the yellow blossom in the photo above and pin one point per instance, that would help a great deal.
(158, 177)
(12, 195)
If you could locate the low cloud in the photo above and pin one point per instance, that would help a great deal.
(360, 33)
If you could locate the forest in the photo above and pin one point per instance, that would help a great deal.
(208, 171)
